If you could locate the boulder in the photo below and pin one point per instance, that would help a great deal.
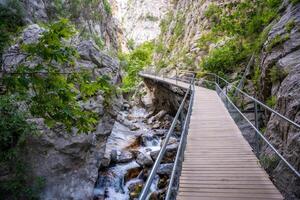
(169, 156)
(165, 169)
(144, 160)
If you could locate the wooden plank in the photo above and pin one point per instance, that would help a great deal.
(218, 163)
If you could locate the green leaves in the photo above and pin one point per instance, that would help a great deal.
(47, 91)
(244, 24)
(136, 61)
(11, 15)
(51, 46)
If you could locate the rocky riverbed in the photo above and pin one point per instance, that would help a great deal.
(130, 153)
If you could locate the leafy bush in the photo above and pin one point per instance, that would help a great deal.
(290, 25)
(11, 15)
(54, 94)
(131, 44)
(107, 6)
(226, 58)
(276, 41)
(136, 61)
(271, 101)
(13, 130)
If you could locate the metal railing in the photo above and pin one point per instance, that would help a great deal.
(217, 82)
(145, 194)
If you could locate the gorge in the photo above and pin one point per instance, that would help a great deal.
(77, 121)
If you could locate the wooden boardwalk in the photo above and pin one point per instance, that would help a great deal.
(218, 162)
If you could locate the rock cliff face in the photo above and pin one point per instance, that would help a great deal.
(140, 19)
(181, 29)
(279, 74)
(280, 78)
(93, 18)
(69, 162)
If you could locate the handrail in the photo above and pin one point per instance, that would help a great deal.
(253, 126)
(260, 134)
(181, 144)
(145, 191)
(254, 99)
(260, 103)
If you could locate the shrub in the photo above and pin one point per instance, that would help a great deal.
(226, 58)
(131, 44)
(271, 101)
(136, 61)
(54, 95)
(290, 25)
(11, 15)
(13, 130)
(107, 6)
(276, 41)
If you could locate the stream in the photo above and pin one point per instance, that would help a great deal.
(131, 149)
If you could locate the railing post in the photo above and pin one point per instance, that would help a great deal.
(181, 120)
(257, 126)
(226, 90)
(176, 76)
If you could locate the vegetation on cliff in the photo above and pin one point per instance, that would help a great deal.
(135, 62)
(47, 86)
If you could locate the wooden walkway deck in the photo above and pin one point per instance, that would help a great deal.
(218, 162)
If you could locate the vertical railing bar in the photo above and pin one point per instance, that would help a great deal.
(263, 137)
(146, 188)
(256, 125)
(181, 144)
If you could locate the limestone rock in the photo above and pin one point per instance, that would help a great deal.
(144, 160)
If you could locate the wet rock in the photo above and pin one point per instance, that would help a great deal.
(127, 123)
(156, 125)
(135, 188)
(165, 169)
(114, 156)
(160, 115)
(132, 173)
(146, 138)
(160, 132)
(170, 153)
(124, 157)
(144, 160)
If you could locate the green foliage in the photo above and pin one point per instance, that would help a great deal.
(290, 25)
(213, 13)
(179, 27)
(256, 76)
(73, 9)
(13, 127)
(20, 185)
(226, 58)
(269, 162)
(107, 6)
(136, 61)
(152, 18)
(294, 2)
(164, 24)
(131, 44)
(13, 131)
(244, 23)
(271, 102)
(53, 94)
(276, 74)
(276, 41)
(11, 15)
(98, 40)
(206, 39)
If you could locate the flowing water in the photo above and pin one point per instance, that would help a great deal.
(111, 184)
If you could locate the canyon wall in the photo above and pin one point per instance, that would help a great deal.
(68, 162)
